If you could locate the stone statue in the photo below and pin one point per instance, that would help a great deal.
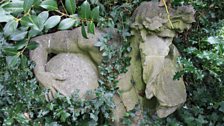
(153, 61)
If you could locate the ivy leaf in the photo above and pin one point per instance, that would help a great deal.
(221, 108)
(32, 45)
(50, 5)
(24, 61)
(27, 5)
(10, 27)
(93, 116)
(52, 22)
(95, 14)
(84, 31)
(85, 10)
(66, 24)
(98, 44)
(91, 27)
(64, 116)
(70, 6)
(213, 40)
(18, 35)
(43, 16)
(12, 61)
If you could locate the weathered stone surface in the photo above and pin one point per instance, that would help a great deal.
(70, 41)
(119, 110)
(153, 36)
(78, 71)
(170, 93)
(182, 17)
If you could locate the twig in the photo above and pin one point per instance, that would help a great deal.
(168, 14)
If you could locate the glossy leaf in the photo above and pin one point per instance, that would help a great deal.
(27, 5)
(66, 24)
(84, 34)
(32, 45)
(14, 7)
(20, 44)
(33, 33)
(5, 17)
(85, 10)
(12, 61)
(43, 16)
(95, 14)
(18, 35)
(52, 22)
(70, 6)
(37, 3)
(10, 51)
(91, 27)
(50, 5)
(10, 27)
(25, 21)
(36, 23)
(213, 40)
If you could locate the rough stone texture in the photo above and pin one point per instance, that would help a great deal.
(70, 41)
(119, 111)
(153, 36)
(78, 71)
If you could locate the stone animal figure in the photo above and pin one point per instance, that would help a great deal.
(65, 42)
(75, 66)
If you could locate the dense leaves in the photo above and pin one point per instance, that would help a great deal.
(22, 100)
(202, 59)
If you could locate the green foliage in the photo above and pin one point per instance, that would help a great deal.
(70, 6)
(202, 60)
(22, 100)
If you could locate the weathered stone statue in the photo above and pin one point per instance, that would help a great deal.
(153, 61)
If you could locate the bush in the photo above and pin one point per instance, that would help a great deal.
(22, 101)
(202, 59)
